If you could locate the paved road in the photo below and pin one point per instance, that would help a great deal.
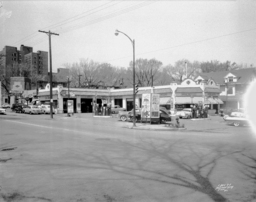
(81, 158)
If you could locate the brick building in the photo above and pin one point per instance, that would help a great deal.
(36, 61)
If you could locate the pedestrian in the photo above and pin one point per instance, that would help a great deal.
(206, 111)
(197, 111)
(200, 112)
(194, 111)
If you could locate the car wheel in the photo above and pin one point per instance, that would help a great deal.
(123, 118)
(162, 121)
(236, 124)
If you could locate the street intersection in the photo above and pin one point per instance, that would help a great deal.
(85, 158)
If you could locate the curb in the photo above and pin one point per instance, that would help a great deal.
(155, 129)
(102, 116)
(200, 119)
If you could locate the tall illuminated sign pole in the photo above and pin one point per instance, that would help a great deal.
(133, 46)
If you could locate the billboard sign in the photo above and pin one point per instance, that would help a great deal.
(145, 108)
(70, 106)
(17, 85)
(155, 106)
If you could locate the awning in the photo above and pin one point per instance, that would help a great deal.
(211, 90)
(183, 100)
(210, 101)
(165, 100)
(219, 100)
(196, 100)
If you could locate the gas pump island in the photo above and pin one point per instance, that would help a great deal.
(104, 110)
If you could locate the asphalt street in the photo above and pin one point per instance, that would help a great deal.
(85, 158)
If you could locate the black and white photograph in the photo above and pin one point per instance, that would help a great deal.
(127, 101)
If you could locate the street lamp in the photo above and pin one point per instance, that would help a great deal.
(133, 46)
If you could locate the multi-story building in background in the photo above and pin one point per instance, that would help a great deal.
(37, 62)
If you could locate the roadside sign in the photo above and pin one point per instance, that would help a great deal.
(70, 106)
(145, 112)
(155, 106)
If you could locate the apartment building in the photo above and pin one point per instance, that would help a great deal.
(37, 62)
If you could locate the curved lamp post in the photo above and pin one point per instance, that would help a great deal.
(133, 46)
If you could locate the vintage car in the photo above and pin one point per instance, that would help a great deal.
(184, 113)
(124, 115)
(236, 119)
(116, 109)
(2, 111)
(46, 109)
(20, 108)
(165, 115)
(32, 109)
(5, 105)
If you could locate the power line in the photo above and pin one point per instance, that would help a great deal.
(107, 16)
(94, 21)
(74, 17)
(50, 26)
(190, 43)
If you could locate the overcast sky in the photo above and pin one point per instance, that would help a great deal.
(165, 30)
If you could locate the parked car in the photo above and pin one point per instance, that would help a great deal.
(20, 108)
(165, 115)
(2, 111)
(124, 115)
(32, 109)
(231, 112)
(185, 113)
(236, 120)
(14, 106)
(116, 109)
(47, 110)
(5, 105)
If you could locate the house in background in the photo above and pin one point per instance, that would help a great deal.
(233, 85)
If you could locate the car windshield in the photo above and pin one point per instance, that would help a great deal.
(34, 107)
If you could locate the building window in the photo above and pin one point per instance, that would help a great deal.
(230, 79)
(230, 91)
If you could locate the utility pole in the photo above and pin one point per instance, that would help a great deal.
(68, 97)
(49, 33)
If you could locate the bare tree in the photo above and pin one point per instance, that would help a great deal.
(92, 74)
(146, 71)
(178, 71)
(19, 70)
